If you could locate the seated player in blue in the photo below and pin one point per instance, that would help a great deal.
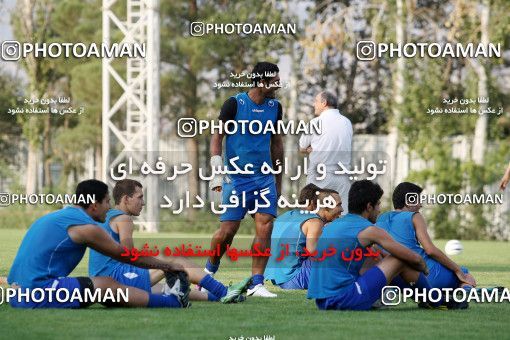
(408, 227)
(294, 231)
(129, 202)
(55, 243)
(335, 282)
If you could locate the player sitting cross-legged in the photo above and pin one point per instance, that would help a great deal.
(129, 202)
(408, 227)
(296, 230)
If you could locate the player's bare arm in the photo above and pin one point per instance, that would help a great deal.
(313, 230)
(216, 160)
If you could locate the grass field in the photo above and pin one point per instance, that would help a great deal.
(290, 316)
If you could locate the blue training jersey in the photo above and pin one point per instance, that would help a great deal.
(287, 231)
(399, 224)
(251, 148)
(46, 251)
(99, 264)
(332, 275)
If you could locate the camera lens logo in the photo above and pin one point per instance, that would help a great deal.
(5, 199)
(187, 127)
(11, 50)
(365, 50)
(197, 29)
(412, 199)
(390, 295)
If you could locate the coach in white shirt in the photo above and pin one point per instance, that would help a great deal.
(332, 146)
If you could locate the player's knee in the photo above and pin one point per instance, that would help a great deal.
(266, 225)
(264, 231)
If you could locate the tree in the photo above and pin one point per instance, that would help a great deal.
(9, 125)
(329, 60)
(50, 21)
(431, 137)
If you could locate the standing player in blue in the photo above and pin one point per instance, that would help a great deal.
(55, 244)
(128, 197)
(258, 104)
(408, 227)
(336, 283)
(294, 231)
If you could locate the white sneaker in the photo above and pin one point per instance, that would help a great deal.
(261, 291)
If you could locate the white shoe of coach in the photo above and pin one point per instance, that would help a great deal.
(260, 291)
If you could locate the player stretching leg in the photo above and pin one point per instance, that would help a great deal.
(335, 282)
(128, 197)
(258, 104)
(55, 244)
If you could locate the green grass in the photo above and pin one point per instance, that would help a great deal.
(290, 316)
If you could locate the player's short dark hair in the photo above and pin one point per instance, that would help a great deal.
(309, 192)
(362, 193)
(90, 187)
(330, 99)
(400, 192)
(326, 192)
(262, 68)
(125, 187)
(323, 193)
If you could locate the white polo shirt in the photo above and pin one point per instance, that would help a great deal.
(333, 145)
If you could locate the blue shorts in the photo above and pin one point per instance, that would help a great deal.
(442, 277)
(251, 187)
(68, 283)
(300, 280)
(359, 295)
(132, 276)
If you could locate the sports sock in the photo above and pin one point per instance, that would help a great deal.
(212, 297)
(159, 300)
(256, 279)
(213, 286)
(399, 282)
